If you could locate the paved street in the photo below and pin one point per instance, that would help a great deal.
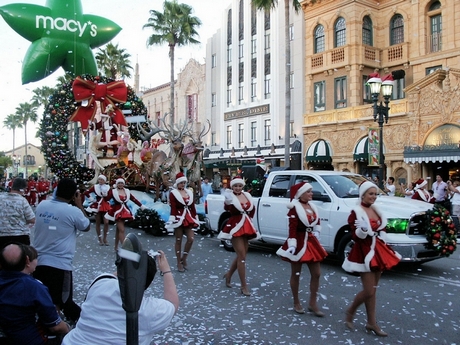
(415, 305)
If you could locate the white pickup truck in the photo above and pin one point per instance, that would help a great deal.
(335, 194)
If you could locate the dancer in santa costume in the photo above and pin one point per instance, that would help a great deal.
(120, 212)
(99, 208)
(183, 219)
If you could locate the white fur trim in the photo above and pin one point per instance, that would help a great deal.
(120, 180)
(302, 190)
(364, 187)
(237, 180)
(179, 180)
(423, 184)
(102, 177)
(292, 242)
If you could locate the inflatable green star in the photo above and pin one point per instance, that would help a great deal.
(61, 36)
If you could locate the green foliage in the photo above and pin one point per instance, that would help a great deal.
(440, 230)
(149, 221)
(113, 62)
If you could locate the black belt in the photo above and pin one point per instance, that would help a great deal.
(306, 229)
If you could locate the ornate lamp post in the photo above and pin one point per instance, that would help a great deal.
(381, 111)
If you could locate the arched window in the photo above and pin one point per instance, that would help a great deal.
(319, 39)
(367, 31)
(396, 29)
(229, 27)
(340, 30)
(435, 33)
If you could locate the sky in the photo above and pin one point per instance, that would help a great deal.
(130, 15)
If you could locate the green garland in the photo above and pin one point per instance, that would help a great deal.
(441, 233)
(54, 129)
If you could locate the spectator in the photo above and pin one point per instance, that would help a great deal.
(16, 215)
(440, 191)
(390, 187)
(409, 191)
(55, 239)
(454, 189)
(206, 189)
(103, 320)
(23, 299)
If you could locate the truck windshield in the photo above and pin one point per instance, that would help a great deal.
(346, 186)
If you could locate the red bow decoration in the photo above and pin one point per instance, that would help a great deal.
(107, 94)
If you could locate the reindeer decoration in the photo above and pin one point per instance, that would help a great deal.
(161, 166)
(192, 157)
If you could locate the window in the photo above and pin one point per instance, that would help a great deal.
(157, 118)
(340, 30)
(213, 60)
(267, 132)
(240, 93)
(267, 42)
(367, 31)
(367, 97)
(253, 133)
(241, 50)
(340, 92)
(28, 160)
(396, 29)
(280, 186)
(229, 96)
(192, 107)
(430, 70)
(213, 99)
(398, 89)
(240, 135)
(291, 32)
(319, 39)
(291, 80)
(267, 86)
(320, 96)
(253, 47)
(435, 27)
(229, 54)
(213, 138)
(229, 137)
(253, 89)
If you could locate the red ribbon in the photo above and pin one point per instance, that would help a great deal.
(89, 92)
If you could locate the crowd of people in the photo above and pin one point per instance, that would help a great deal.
(56, 221)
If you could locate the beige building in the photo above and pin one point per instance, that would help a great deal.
(33, 162)
(190, 96)
(348, 40)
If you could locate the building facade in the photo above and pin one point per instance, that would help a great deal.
(348, 40)
(25, 165)
(245, 87)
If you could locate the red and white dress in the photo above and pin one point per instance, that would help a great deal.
(302, 229)
(183, 210)
(370, 252)
(240, 221)
(120, 209)
(100, 205)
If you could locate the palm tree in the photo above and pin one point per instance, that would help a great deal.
(26, 112)
(267, 5)
(12, 122)
(114, 62)
(176, 27)
(41, 96)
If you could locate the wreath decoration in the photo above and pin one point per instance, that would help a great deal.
(54, 128)
(441, 233)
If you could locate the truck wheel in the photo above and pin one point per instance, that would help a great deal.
(345, 245)
(228, 246)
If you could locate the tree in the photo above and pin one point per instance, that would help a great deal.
(11, 122)
(113, 62)
(176, 27)
(26, 112)
(41, 95)
(267, 5)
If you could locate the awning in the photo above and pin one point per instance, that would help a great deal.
(428, 153)
(361, 152)
(319, 152)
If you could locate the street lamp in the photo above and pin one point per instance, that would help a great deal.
(381, 111)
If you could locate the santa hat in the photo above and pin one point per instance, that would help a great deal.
(420, 183)
(102, 177)
(119, 180)
(363, 187)
(236, 180)
(179, 178)
(297, 190)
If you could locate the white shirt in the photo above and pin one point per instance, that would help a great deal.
(103, 319)
(439, 190)
(391, 188)
(455, 200)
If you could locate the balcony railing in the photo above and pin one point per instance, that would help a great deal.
(435, 42)
(395, 54)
